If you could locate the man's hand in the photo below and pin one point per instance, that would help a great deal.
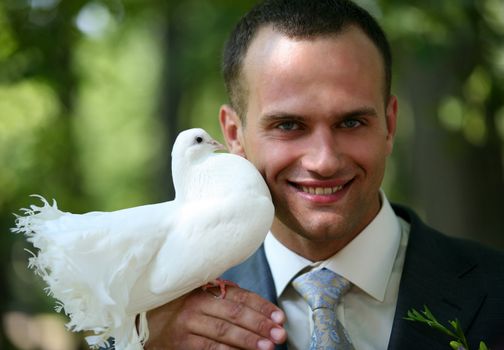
(199, 320)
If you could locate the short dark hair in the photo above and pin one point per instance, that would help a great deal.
(296, 19)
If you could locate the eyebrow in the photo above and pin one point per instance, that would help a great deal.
(277, 117)
(360, 112)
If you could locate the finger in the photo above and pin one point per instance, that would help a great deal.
(225, 332)
(242, 312)
(188, 342)
(257, 303)
(196, 342)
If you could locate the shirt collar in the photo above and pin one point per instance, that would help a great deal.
(366, 261)
(284, 263)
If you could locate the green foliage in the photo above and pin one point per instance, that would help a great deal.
(459, 341)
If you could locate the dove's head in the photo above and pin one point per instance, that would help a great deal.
(194, 143)
(190, 147)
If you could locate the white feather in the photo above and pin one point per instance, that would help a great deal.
(107, 268)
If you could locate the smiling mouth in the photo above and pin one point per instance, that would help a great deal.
(319, 190)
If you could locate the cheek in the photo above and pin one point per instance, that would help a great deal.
(370, 155)
(271, 159)
(372, 160)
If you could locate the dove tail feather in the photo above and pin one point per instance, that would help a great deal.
(99, 340)
(125, 336)
(35, 216)
(85, 298)
(31, 225)
(143, 328)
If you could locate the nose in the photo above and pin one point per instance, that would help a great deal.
(322, 156)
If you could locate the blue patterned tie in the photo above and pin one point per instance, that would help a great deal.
(322, 290)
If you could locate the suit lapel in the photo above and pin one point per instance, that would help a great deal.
(435, 276)
(254, 275)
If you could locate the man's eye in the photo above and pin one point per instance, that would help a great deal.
(351, 123)
(288, 126)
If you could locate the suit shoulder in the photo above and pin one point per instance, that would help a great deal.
(489, 261)
(460, 251)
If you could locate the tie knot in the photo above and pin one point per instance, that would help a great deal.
(321, 288)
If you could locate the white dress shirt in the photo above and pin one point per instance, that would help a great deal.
(372, 262)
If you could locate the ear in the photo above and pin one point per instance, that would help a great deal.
(231, 127)
(391, 115)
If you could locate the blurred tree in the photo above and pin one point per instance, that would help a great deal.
(449, 77)
(36, 63)
(45, 38)
(193, 38)
(39, 51)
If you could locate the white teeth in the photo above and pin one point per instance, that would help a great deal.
(321, 190)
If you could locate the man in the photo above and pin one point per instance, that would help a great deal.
(311, 107)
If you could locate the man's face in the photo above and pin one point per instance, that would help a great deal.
(319, 131)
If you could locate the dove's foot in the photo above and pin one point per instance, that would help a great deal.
(221, 283)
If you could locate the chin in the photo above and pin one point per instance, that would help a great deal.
(325, 234)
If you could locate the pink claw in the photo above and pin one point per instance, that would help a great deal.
(221, 283)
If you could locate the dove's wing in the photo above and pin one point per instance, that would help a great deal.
(209, 237)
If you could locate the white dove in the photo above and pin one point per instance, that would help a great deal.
(105, 268)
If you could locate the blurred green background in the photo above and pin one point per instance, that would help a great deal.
(92, 94)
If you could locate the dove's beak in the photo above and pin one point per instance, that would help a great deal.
(217, 146)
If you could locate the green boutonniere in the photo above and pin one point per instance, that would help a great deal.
(459, 341)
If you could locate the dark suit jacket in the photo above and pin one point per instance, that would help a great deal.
(454, 278)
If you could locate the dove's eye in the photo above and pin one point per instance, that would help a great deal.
(199, 139)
